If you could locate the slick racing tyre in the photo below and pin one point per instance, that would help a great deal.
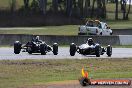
(109, 51)
(43, 49)
(17, 47)
(111, 33)
(72, 49)
(55, 48)
(29, 50)
(97, 51)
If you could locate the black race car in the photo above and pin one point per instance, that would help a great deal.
(35, 47)
(86, 49)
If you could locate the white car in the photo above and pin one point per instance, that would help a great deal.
(95, 28)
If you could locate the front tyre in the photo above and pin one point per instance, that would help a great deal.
(111, 33)
(72, 49)
(55, 48)
(109, 51)
(101, 33)
(17, 47)
(43, 49)
(98, 51)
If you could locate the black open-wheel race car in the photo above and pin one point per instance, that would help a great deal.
(35, 47)
(92, 49)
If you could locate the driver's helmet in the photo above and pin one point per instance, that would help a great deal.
(90, 23)
(90, 41)
(37, 38)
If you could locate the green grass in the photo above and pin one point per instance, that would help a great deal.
(18, 73)
(110, 7)
(63, 30)
(48, 30)
(5, 4)
(120, 24)
(111, 17)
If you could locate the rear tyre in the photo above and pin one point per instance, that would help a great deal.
(109, 51)
(17, 47)
(98, 51)
(43, 49)
(55, 48)
(72, 49)
(29, 50)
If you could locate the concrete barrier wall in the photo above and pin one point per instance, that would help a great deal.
(66, 40)
(125, 39)
(9, 39)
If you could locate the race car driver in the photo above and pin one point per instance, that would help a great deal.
(38, 40)
(90, 42)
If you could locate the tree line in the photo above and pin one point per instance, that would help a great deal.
(75, 8)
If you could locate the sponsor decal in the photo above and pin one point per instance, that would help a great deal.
(110, 82)
(86, 81)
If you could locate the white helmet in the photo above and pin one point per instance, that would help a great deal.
(37, 38)
(90, 41)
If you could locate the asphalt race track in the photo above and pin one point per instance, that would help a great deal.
(7, 53)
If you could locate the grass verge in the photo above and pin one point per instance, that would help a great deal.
(16, 73)
(61, 30)
(47, 30)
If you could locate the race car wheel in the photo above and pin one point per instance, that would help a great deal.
(109, 51)
(111, 33)
(98, 51)
(43, 49)
(101, 33)
(55, 48)
(17, 47)
(84, 81)
(72, 49)
(29, 50)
